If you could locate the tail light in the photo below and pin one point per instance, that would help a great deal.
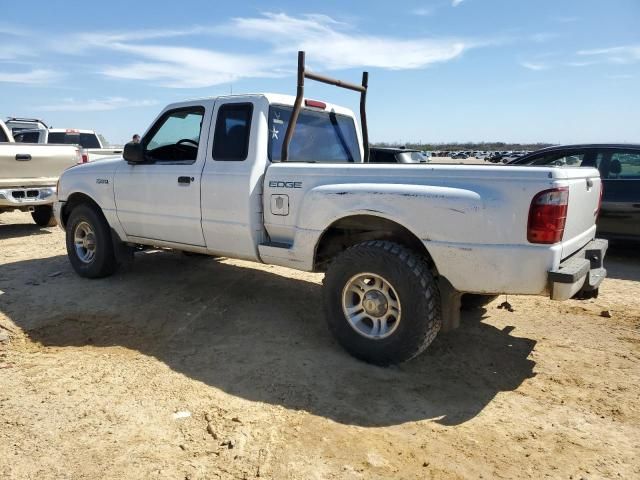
(547, 216)
(597, 212)
(83, 156)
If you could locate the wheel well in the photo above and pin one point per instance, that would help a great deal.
(350, 231)
(73, 201)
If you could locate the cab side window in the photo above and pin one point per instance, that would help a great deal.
(621, 165)
(233, 128)
(175, 137)
(573, 159)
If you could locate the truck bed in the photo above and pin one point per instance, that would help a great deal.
(29, 161)
(471, 215)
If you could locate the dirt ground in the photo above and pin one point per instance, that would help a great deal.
(187, 367)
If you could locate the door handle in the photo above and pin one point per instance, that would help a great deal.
(185, 180)
(22, 157)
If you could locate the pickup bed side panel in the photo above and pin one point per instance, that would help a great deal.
(472, 221)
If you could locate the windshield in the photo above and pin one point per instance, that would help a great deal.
(318, 137)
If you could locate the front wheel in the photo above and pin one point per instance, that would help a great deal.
(89, 243)
(382, 302)
(43, 216)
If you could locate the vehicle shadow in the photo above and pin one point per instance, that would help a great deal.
(261, 336)
(623, 260)
(14, 230)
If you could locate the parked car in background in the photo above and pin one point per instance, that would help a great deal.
(495, 157)
(396, 155)
(87, 139)
(28, 175)
(619, 166)
(460, 156)
(18, 124)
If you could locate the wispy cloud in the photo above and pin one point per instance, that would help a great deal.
(536, 66)
(37, 76)
(10, 51)
(110, 103)
(543, 37)
(334, 45)
(6, 29)
(184, 67)
(81, 42)
(619, 76)
(422, 12)
(625, 54)
(565, 19)
(150, 55)
(575, 63)
(455, 3)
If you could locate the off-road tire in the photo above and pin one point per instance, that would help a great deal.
(471, 301)
(43, 216)
(104, 262)
(416, 289)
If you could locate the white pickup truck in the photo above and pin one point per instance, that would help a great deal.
(28, 175)
(92, 146)
(400, 244)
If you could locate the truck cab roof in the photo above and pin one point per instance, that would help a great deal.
(271, 98)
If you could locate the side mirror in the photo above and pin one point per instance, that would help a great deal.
(133, 152)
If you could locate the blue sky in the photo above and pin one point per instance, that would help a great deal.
(557, 71)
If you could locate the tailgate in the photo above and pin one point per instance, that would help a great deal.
(584, 197)
(30, 160)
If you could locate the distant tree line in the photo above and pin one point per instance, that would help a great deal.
(482, 146)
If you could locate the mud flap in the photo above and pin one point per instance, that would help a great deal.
(450, 304)
(122, 252)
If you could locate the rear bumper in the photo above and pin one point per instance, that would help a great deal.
(25, 197)
(581, 274)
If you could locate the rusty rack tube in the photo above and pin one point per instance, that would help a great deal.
(297, 105)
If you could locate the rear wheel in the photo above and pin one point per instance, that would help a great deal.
(43, 216)
(382, 302)
(89, 243)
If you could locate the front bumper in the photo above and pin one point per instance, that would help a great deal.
(581, 274)
(57, 212)
(24, 197)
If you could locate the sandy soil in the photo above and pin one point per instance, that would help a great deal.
(199, 368)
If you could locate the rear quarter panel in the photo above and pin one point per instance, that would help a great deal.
(472, 219)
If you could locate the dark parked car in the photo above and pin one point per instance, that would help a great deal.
(495, 157)
(396, 155)
(619, 166)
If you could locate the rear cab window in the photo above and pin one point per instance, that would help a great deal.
(319, 136)
(27, 137)
(85, 140)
